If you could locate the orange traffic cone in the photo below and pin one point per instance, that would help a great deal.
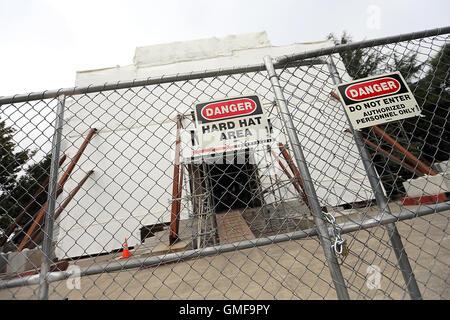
(125, 252)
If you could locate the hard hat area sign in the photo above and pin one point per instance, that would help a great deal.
(378, 99)
(230, 124)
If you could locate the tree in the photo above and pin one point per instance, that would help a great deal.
(407, 65)
(359, 63)
(366, 62)
(11, 163)
(16, 192)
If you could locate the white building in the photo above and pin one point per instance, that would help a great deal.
(132, 153)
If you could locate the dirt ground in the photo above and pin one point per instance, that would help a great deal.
(288, 270)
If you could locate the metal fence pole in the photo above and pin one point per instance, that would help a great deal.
(49, 214)
(382, 201)
(316, 209)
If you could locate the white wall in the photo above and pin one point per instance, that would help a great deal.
(132, 153)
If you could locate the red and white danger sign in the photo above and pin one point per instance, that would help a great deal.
(378, 99)
(230, 124)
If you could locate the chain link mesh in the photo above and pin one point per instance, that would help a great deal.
(234, 225)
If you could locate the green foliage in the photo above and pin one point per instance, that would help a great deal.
(362, 63)
(16, 192)
(26, 187)
(5, 221)
(407, 65)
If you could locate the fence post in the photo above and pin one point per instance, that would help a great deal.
(49, 214)
(316, 209)
(382, 201)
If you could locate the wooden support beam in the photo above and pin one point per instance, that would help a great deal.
(286, 172)
(36, 195)
(294, 170)
(38, 221)
(412, 159)
(175, 218)
(392, 157)
(77, 157)
(38, 234)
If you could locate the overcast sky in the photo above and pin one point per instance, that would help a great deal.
(44, 42)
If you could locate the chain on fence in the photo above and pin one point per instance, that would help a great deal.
(114, 191)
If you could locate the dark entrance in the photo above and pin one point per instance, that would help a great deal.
(234, 183)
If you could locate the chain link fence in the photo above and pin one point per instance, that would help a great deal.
(106, 192)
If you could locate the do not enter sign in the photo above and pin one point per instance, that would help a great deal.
(378, 99)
